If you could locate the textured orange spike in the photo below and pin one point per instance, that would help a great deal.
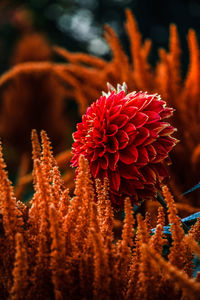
(176, 256)
(34, 214)
(134, 37)
(124, 245)
(197, 279)
(64, 202)
(129, 222)
(41, 197)
(144, 274)
(163, 75)
(195, 159)
(137, 271)
(133, 272)
(44, 198)
(101, 283)
(57, 186)
(161, 216)
(142, 74)
(12, 219)
(82, 58)
(190, 94)
(101, 204)
(148, 221)
(143, 234)
(57, 255)
(176, 276)
(41, 276)
(94, 223)
(84, 183)
(20, 270)
(195, 230)
(83, 218)
(84, 194)
(107, 229)
(145, 286)
(40, 219)
(193, 71)
(146, 48)
(174, 60)
(69, 221)
(157, 240)
(36, 152)
(120, 59)
(193, 245)
(47, 159)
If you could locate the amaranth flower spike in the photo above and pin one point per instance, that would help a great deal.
(125, 138)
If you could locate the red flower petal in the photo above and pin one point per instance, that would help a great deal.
(129, 128)
(128, 186)
(123, 139)
(112, 145)
(136, 100)
(129, 155)
(151, 152)
(129, 171)
(113, 160)
(161, 171)
(130, 111)
(114, 179)
(119, 120)
(149, 175)
(143, 157)
(167, 131)
(140, 119)
(115, 110)
(104, 162)
(143, 134)
(94, 167)
(166, 113)
(155, 105)
(153, 116)
(112, 129)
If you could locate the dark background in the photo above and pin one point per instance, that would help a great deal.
(78, 25)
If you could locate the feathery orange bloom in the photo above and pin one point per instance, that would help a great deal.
(20, 270)
(68, 255)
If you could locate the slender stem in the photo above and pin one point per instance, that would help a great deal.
(164, 205)
(162, 201)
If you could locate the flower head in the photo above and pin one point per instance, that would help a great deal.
(125, 139)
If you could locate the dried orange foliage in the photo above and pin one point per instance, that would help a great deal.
(63, 247)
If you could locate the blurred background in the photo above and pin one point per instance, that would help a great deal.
(78, 24)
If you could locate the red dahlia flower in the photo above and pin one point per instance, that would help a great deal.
(125, 139)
